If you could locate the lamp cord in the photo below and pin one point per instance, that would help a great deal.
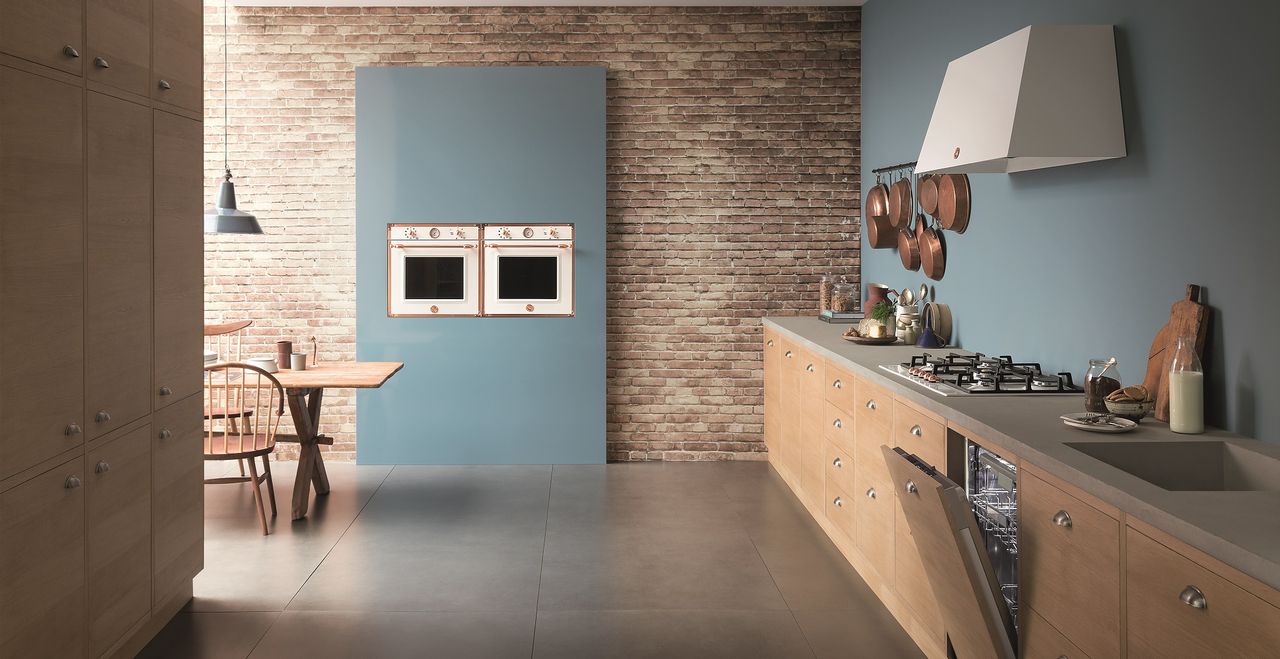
(226, 46)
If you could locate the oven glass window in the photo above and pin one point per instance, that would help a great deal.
(528, 277)
(433, 278)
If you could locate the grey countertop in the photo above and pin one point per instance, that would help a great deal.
(1240, 528)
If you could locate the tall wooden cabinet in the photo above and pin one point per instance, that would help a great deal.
(101, 476)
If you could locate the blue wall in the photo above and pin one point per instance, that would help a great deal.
(484, 144)
(1084, 261)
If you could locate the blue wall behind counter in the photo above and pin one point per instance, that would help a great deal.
(482, 144)
(1084, 261)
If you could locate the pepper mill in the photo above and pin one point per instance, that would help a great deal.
(284, 349)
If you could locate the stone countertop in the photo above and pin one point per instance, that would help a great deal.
(1240, 528)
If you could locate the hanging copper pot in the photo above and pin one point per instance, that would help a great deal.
(927, 194)
(933, 253)
(900, 199)
(875, 217)
(909, 248)
(953, 202)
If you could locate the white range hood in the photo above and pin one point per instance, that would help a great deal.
(1044, 96)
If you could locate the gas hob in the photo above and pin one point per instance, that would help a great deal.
(981, 375)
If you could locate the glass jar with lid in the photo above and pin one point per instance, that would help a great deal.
(1102, 379)
(824, 292)
(844, 297)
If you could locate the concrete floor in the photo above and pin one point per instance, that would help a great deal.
(626, 560)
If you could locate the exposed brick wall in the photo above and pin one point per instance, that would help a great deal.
(732, 186)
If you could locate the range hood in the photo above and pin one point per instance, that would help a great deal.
(1044, 96)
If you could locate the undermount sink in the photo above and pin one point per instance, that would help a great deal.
(1199, 466)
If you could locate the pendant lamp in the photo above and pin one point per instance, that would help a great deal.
(224, 217)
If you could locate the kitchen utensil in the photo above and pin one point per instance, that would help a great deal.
(1131, 411)
(909, 249)
(875, 217)
(872, 340)
(907, 298)
(924, 294)
(1094, 422)
(954, 202)
(298, 361)
(900, 200)
(933, 253)
(267, 364)
(283, 350)
(1188, 317)
(927, 194)
(928, 339)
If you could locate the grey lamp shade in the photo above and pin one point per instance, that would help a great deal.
(225, 218)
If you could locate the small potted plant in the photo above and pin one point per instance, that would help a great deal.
(882, 313)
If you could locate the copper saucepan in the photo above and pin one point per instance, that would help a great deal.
(953, 202)
(875, 217)
(927, 194)
(909, 248)
(900, 199)
(933, 253)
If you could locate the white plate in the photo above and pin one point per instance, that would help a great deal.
(1080, 420)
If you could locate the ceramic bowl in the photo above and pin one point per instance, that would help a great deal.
(1131, 411)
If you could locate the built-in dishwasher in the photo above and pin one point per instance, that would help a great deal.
(991, 483)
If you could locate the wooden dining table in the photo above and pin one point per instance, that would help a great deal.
(305, 392)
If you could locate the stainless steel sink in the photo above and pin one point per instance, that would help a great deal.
(1200, 466)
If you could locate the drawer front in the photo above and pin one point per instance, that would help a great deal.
(1232, 622)
(837, 425)
(1041, 641)
(839, 465)
(874, 511)
(840, 388)
(874, 407)
(812, 375)
(840, 506)
(919, 434)
(912, 581)
(1070, 566)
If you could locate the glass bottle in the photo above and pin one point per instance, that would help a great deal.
(1186, 389)
(1102, 379)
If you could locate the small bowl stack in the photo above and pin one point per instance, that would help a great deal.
(1132, 403)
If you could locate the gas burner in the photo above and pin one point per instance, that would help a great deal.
(1043, 382)
(957, 374)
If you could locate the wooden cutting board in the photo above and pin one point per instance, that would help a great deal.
(1188, 317)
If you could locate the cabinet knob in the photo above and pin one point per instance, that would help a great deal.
(73, 428)
(809, 368)
(102, 467)
(164, 84)
(911, 487)
(71, 483)
(871, 492)
(102, 416)
(165, 433)
(769, 343)
(837, 424)
(837, 463)
(787, 354)
(1193, 597)
(70, 51)
(917, 431)
(871, 404)
(165, 391)
(101, 63)
(837, 502)
(838, 384)
(1061, 518)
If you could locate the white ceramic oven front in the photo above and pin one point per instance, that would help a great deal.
(433, 270)
(528, 270)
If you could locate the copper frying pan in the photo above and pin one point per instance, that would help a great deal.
(875, 217)
(927, 194)
(900, 199)
(933, 253)
(909, 247)
(953, 202)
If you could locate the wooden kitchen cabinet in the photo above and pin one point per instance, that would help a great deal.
(118, 42)
(1177, 607)
(911, 580)
(838, 427)
(118, 345)
(840, 389)
(178, 36)
(771, 354)
(42, 564)
(48, 32)
(1070, 562)
(1039, 640)
(839, 468)
(920, 434)
(874, 512)
(179, 243)
(840, 510)
(177, 496)
(41, 269)
(119, 525)
(789, 427)
(812, 440)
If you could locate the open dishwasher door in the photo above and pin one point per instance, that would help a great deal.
(955, 560)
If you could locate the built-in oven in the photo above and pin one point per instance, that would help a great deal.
(528, 270)
(433, 270)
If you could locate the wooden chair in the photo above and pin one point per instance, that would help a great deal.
(224, 340)
(252, 434)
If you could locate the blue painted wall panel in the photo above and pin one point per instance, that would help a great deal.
(482, 144)
(1084, 261)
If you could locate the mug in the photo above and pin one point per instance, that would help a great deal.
(298, 361)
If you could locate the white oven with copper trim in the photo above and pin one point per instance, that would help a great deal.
(528, 270)
(433, 269)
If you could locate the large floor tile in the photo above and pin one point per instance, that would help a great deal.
(319, 635)
(669, 635)
(869, 633)
(229, 635)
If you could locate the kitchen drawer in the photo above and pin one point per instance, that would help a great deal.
(1161, 582)
(837, 425)
(920, 434)
(839, 465)
(874, 407)
(812, 374)
(48, 32)
(1041, 641)
(1070, 564)
(840, 507)
(840, 388)
(874, 510)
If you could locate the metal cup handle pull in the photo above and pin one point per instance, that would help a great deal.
(1061, 518)
(911, 487)
(871, 493)
(837, 463)
(1193, 597)
(838, 384)
(838, 502)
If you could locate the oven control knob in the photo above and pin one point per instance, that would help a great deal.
(553, 232)
(435, 232)
(528, 232)
(504, 233)
(412, 233)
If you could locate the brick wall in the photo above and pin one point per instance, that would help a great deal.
(732, 186)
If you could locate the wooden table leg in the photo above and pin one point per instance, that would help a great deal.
(319, 477)
(307, 450)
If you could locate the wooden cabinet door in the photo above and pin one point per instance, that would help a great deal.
(41, 269)
(42, 558)
(790, 395)
(874, 511)
(118, 299)
(178, 70)
(179, 258)
(813, 407)
(119, 523)
(119, 43)
(911, 579)
(177, 496)
(42, 31)
(771, 354)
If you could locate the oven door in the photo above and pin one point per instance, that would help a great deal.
(528, 279)
(433, 280)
